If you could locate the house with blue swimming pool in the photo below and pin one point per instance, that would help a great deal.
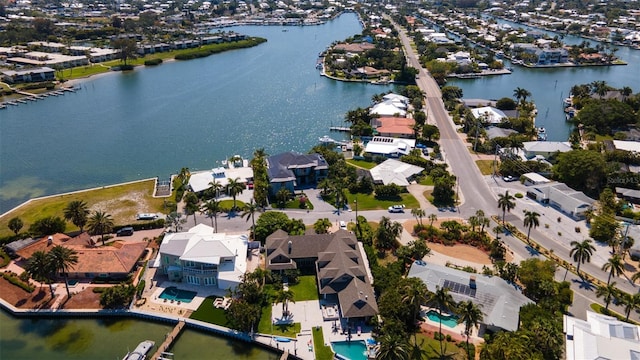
(202, 257)
(499, 300)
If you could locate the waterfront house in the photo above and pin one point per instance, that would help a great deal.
(36, 58)
(389, 108)
(292, 170)
(116, 261)
(389, 147)
(600, 337)
(500, 301)
(393, 171)
(354, 47)
(569, 201)
(203, 180)
(202, 257)
(28, 75)
(391, 126)
(488, 115)
(546, 149)
(542, 56)
(339, 262)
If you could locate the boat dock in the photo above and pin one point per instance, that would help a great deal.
(159, 354)
(340, 128)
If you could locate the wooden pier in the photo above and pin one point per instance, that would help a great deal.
(169, 340)
(340, 128)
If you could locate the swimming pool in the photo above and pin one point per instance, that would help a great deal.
(352, 350)
(173, 293)
(449, 321)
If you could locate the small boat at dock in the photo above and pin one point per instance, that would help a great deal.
(140, 353)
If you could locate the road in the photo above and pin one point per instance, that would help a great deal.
(477, 194)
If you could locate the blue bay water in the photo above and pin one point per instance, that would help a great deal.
(154, 121)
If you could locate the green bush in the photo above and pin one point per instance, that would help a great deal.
(12, 278)
(5, 258)
(152, 62)
(117, 296)
(519, 195)
(99, 290)
(156, 224)
(140, 288)
(199, 53)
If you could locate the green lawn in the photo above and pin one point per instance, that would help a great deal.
(228, 204)
(486, 166)
(305, 289)
(432, 347)
(87, 70)
(265, 327)
(369, 202)
(322, 351)
(362, 164)
(426, 180)
(295, 203)
(208, 313)
(600, 309)
(114, 200)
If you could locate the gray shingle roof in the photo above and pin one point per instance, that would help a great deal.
(500, 301)
(279, 167)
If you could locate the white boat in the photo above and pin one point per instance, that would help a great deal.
(140, 353)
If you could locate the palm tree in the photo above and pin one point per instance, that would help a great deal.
(234, 187)
(470, 316)
(506, 202)
(419, 214)
(249, 212)
(215, 187)
(284, 296)
(191, 205)
(521, 94)
(282, 196)
(414, 294)
(77, 212)
(531, 221)
(432, 218)
(62, 260)
(211, 209)
(100, 223)
(387, 233)
(635, 277)
(325, 185)
(442, 300)
(599, 87)
(581, 252)
(417, 351)
(614, 266)
(184, 174)
(607, 293)
(40, 268)
(630, 302)
(392, 347)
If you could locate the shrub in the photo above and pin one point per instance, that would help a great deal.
(117, 296)
(152, 62)
(12, 278)
(5, 259)
(99, 290)
(140, 288)
(519, 195)
(449, 339)
(438, 336)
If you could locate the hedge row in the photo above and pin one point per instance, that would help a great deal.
(12, 278)
(200, 53)
(49, 85)
(140, 288)
(156, 224)
(99, 290)
(5, 259)
(152, 62)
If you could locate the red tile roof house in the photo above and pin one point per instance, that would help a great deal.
(397, 127)
(339, 263)
(114, 261)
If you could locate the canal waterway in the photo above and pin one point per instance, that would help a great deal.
(549, 86)
(154, 121)
(109, 338)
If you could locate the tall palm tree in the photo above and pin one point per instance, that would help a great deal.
(506, 202)
(531, 221)
(581, 252)
(417, 351)
(40, 268)
(234, 187)
(631, 302)
(521, 94)
(77, 212)
(432, 218)
(614, 266)
(62, 260)
(215, 187)
(184, 175)
(211, 209)
(100, 223)
(191, 205)
(607, 293)
(285, 296)
(321, 226)
(419, 214)
(635, 277)
(249, 212)
(443, 301)
(470, 315)
(414, 294)
(392, 347)
(387, 233)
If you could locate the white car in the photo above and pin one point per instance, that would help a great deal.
(396, 208)
(343, 225)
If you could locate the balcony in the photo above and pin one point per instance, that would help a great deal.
(199, 271)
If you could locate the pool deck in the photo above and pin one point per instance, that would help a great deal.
(456, 332)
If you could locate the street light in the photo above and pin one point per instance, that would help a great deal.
(357, 222)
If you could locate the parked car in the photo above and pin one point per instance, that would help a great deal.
(343, 225)
(396, 208)
(509, 178)
(147, 216)
(125, 231)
